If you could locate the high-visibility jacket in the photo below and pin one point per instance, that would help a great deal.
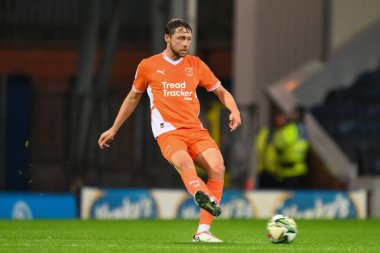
(292, 149)
(266, 153)
(283, 152)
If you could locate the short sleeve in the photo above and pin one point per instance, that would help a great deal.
(207, 79)
(140, 83)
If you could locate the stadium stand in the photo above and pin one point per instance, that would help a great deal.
(351, 116)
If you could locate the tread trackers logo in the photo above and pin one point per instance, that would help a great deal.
(176, 90)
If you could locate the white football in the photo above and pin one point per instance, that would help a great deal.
(281, 229)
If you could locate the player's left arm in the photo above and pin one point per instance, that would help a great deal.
(226, 98)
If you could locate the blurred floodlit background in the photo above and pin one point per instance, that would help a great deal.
(66, 66)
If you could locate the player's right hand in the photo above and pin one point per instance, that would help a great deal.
(106, 138)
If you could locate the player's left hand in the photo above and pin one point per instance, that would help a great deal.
(106, 138)
(235, 120)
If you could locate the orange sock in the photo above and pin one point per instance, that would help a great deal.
(192, 182)
(216, 189)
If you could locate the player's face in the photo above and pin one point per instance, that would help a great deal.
(179, 43)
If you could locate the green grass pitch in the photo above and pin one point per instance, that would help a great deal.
(175, 236)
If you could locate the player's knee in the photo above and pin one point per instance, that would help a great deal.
(218, 169)
(184, 165)
(181, 160)
(181, 165)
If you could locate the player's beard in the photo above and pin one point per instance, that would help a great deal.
(177, 52)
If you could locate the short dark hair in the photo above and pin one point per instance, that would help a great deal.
(173, 24)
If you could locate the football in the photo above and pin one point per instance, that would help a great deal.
(281, 229)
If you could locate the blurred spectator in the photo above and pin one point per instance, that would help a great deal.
(266, 152)
(293, 148)
(282, 152)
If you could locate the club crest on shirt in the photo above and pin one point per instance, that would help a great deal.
(168, 149)
(189, 71)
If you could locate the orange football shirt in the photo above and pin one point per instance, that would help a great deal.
(171, 86)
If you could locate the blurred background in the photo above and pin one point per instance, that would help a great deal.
(66, 66)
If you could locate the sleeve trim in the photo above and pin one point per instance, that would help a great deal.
(214, 87)
(136, 90)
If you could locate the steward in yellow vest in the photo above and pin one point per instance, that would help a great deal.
(281, 155)
(292, 149)
(266, 152)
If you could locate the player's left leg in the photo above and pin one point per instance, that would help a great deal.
(205, 153)
(210, 160)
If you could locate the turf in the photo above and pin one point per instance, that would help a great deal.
(175, 236)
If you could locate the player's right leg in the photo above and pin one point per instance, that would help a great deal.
(184, 164)
(174, 149)
(207, 203)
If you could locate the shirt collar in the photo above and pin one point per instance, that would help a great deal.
(174, 62)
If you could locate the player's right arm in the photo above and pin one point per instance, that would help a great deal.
(129, 105)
